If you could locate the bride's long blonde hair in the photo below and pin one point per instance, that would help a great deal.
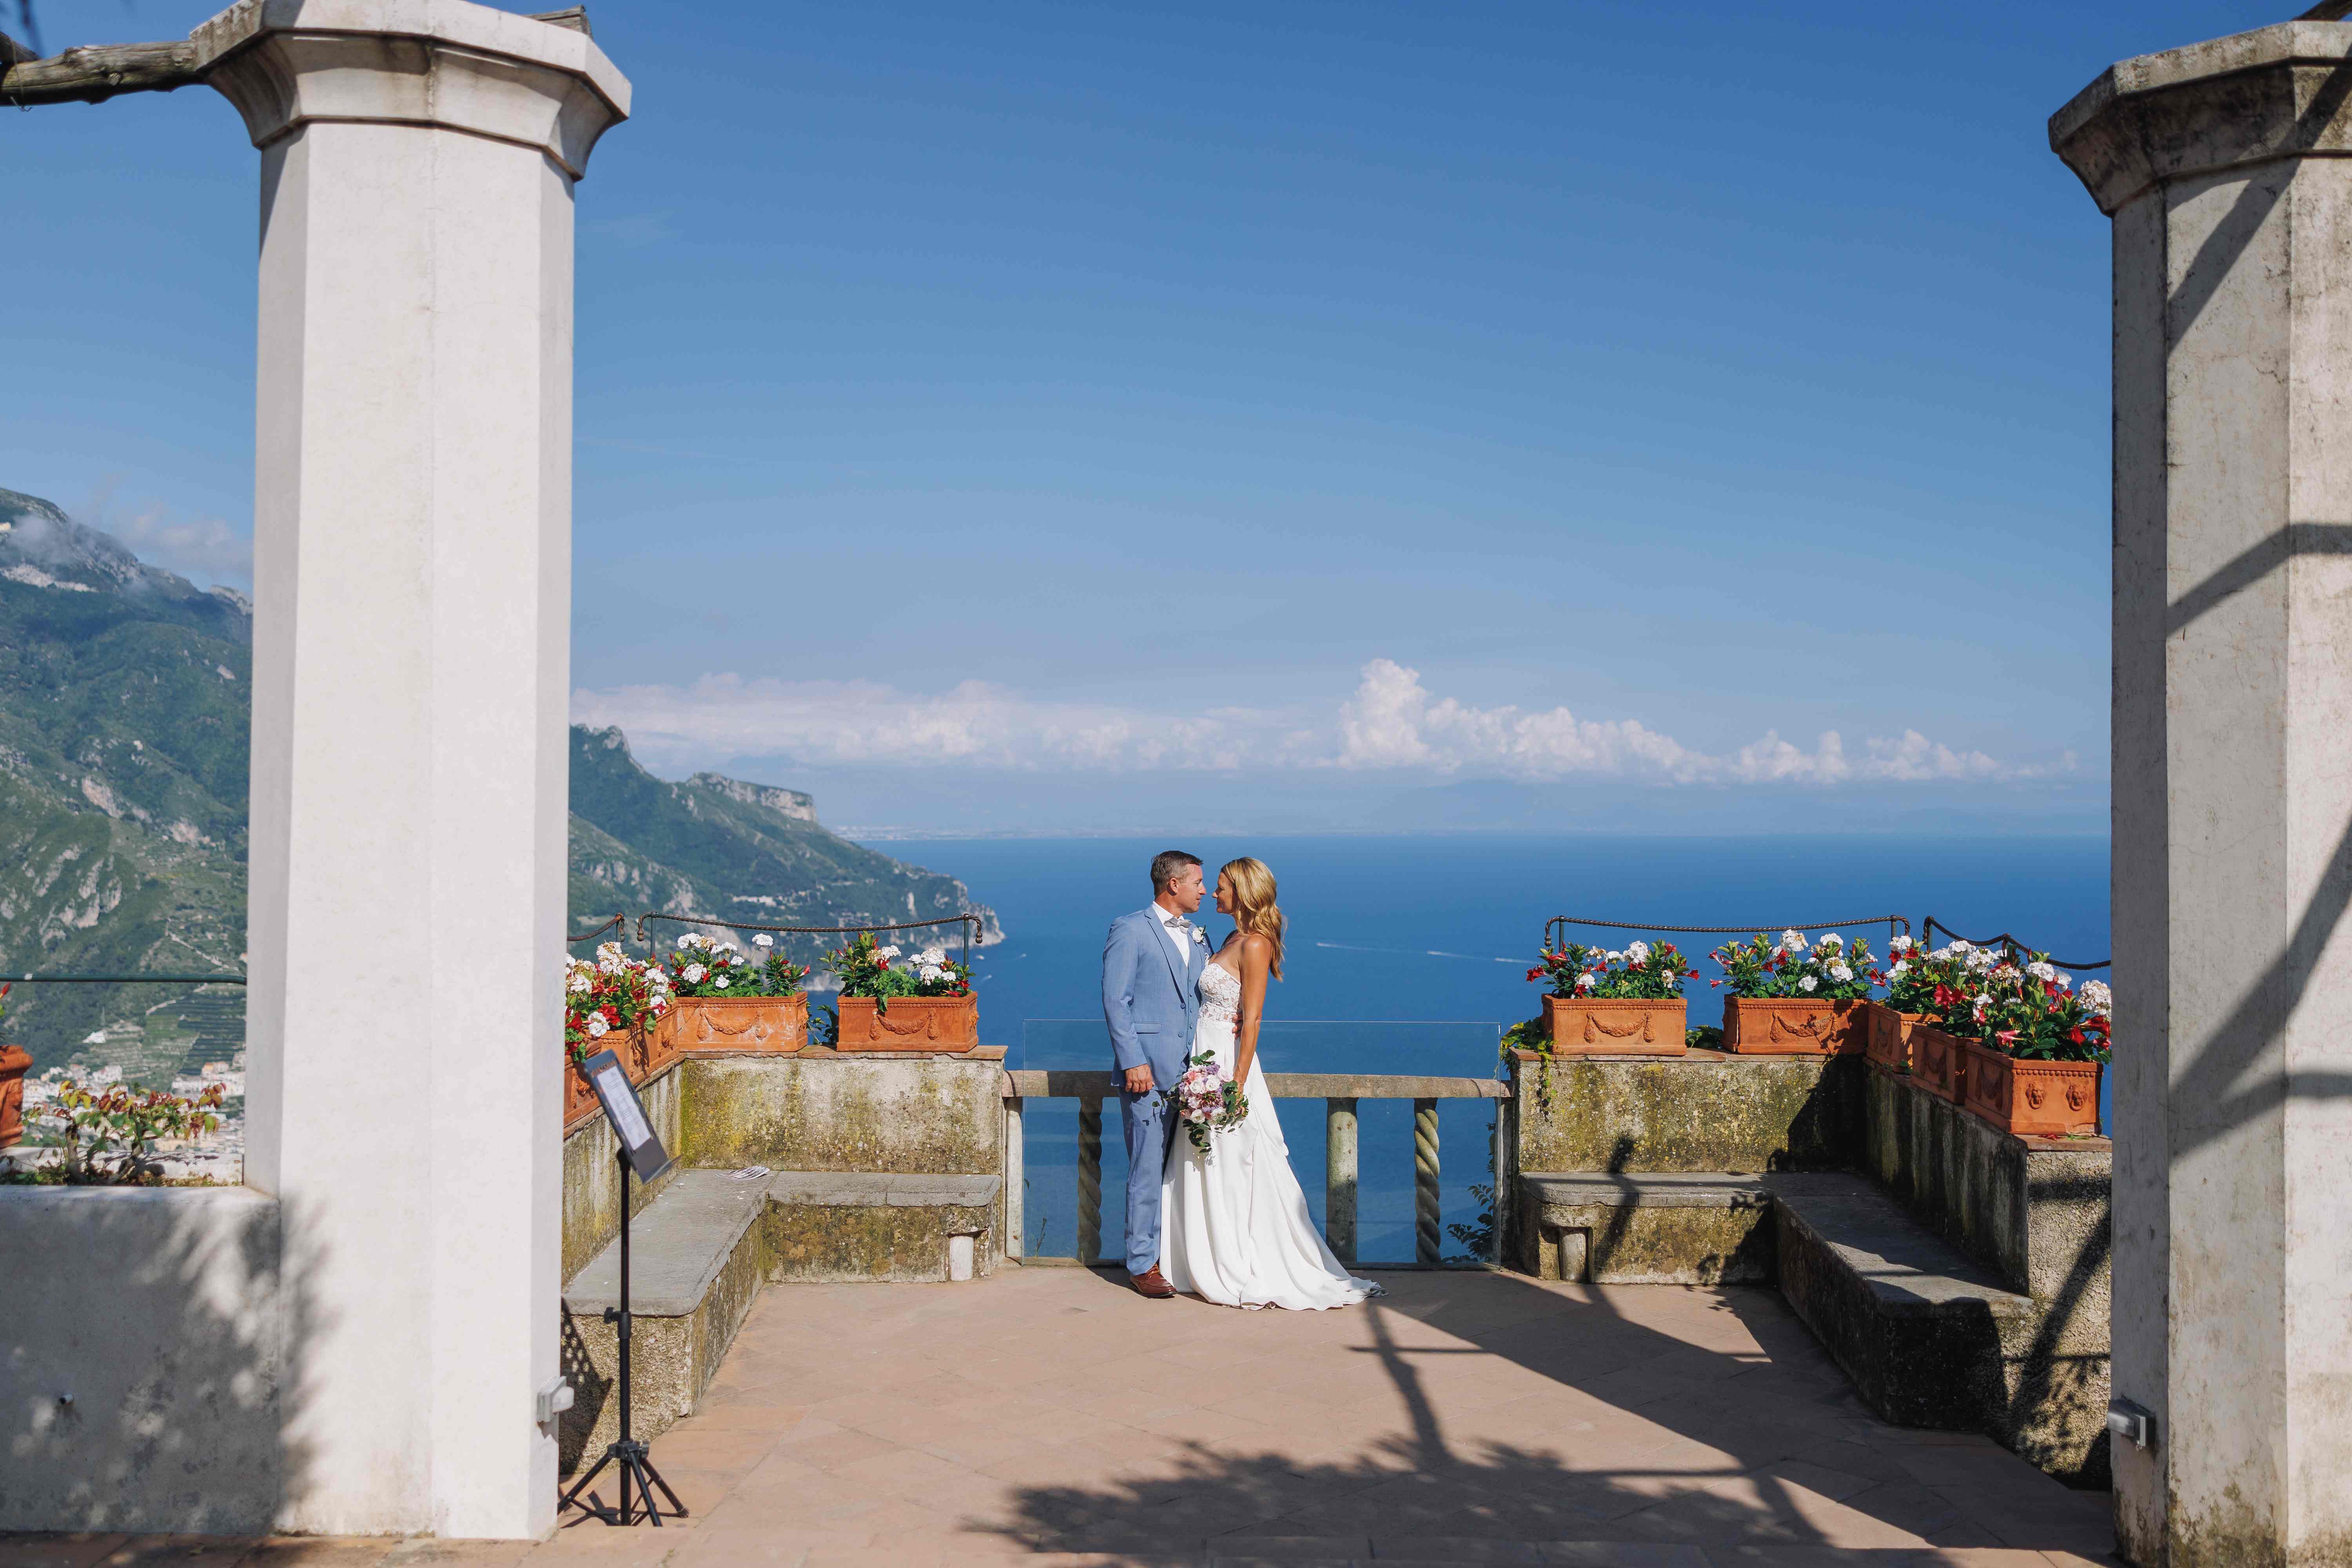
(1255, 911)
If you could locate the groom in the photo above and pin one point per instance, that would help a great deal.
(1152, 967)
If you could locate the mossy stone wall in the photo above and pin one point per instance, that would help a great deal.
(1710, 1111)
(822, 1111)
(591, 1184)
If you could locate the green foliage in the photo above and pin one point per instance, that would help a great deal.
(1830, 970)
(867, 967)
(1637, 972)
(109, 1134)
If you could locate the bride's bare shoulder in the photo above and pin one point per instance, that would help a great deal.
(1253, 945)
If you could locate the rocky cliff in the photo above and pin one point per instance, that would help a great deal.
(125, 695)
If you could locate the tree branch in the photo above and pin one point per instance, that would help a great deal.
(95, 73)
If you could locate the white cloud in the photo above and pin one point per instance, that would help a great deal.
(1391, 722)
(972, 725)
(206, 549)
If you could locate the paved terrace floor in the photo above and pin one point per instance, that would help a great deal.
(1050, 1416)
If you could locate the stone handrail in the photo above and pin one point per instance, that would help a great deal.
(1339, 1091)
(1058, 1083)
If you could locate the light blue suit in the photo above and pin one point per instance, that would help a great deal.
(1150, 1000)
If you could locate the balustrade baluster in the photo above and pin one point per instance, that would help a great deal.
(1425, 1232)
(1090, 1178)
(1016, 1222)
(1340, 1178)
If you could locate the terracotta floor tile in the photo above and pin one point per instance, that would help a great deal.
(314, 1552)
(58, 1550)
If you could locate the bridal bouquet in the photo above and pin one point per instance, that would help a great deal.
(1207, 1101)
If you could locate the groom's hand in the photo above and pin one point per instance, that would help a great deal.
(1138, 1079)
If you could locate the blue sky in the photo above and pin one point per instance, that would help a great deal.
(1049, 418)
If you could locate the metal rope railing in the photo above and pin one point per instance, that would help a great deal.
(969, 923)
(1929, 925)
(619, 923)
(1893, 924)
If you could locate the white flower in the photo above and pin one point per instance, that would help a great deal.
(932, 955)
(887, 952)
(1806, 984)
(596, 1025)
(2041, 971)
(2098, 997)
(1899, 944)
(692, 973)
(1831, 939)
(1793, 941)
(930, 972)
(722, 983)
(2062, 980)
(1585, 982)
(763, 940)
(1898, 969)
(1638, 952)
(1841, 973)
(1614, 957)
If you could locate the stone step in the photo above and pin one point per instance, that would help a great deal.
(1927, 1334)
(696, 1260)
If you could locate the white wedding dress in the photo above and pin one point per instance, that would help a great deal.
(1234, 1222)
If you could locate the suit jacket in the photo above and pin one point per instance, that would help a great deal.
(1150, 1000)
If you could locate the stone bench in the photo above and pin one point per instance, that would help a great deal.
(849, 1226)
(697, 1255)
(1929, 1337)
(1650, 1227)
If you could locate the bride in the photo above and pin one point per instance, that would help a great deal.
(1235, 1229)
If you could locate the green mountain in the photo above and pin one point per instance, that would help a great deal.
(125, 695)
(720, 847)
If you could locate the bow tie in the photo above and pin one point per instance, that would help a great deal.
(1176, 922)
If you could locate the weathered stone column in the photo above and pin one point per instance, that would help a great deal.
(413, 581)
(2223, 166)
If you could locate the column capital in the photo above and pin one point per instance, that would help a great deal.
(2277, 92)
(446, 64)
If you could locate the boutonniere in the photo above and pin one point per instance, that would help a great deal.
(1200, 936)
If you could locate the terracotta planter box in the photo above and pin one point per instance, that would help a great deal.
(758, 1025)
(1888, 1043)
(1937, 1061)
(2031, 1098)
(1602, 1026)
(912, 1023)
(1790, 1027)
(579, 1099)
(634, 1051)
(15, 1061)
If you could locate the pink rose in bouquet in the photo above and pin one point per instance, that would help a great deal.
(1207, 1101)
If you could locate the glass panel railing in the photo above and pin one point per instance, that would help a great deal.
(1384, 1203)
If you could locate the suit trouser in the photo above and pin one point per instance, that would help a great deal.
(1150, 1132)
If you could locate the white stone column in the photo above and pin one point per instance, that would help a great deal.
(413, 581)
(2223, 168)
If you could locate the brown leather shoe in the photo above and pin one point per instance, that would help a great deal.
(1153, 1284)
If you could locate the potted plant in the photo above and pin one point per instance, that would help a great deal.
(1909, 978)
(15, 1061)
(924, 1004)
(1794, 997)
(726, 1003)
(1949, 978)
(1626, 1003)
(2038, 1045)
(110, 1131)
(609, 1002)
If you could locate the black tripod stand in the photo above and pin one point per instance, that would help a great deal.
(625, 1453)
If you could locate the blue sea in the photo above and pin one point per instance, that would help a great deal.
(1409, 955)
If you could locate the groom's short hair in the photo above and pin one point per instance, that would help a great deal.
(1164, 867)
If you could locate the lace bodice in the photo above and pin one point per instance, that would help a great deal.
(1220, 993)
